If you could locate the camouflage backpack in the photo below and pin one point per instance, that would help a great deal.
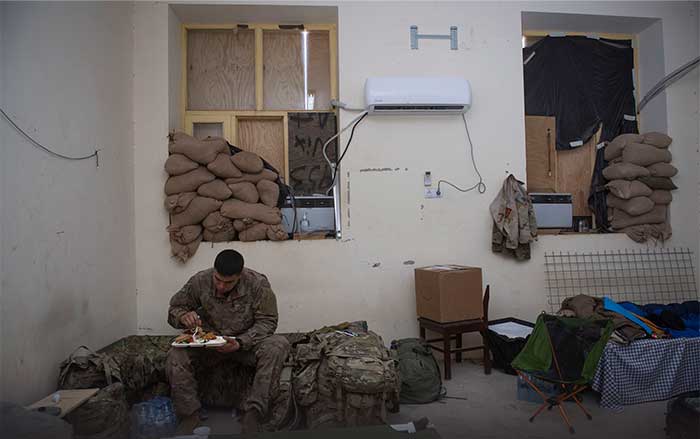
(344, 378)
(85, 369)
(104, 416)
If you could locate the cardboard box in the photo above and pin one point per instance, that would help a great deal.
(449, 293)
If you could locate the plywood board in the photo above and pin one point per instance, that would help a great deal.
(70, 400)
(319, 69)
(309, 172)
(541, 162)
(574, 172)
(220, 69)
(283, 70)
(265, 137)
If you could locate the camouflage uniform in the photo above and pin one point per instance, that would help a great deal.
(249, 313)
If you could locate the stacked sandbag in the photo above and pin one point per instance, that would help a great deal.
(209, 189)
(639, 175)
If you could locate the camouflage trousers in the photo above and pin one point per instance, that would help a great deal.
(267, 357)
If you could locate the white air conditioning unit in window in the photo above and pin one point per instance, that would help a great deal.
(417, 95)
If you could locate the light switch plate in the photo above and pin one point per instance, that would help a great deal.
(427, 179)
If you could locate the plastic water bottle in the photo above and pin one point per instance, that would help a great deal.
(139, 421)
(149, 421)
(305, 225)
(169, 425)
(153, 419)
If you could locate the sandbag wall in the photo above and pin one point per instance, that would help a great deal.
(640, 185)
(215, 196)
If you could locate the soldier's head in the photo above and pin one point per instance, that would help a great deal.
(228, 266)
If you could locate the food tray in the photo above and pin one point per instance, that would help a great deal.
(217, 342)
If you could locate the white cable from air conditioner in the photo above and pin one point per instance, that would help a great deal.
(343, 106)
(480, 186)
(325, 145)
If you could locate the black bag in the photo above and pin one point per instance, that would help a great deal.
(87, 370)
(504, 349)
(419, 371)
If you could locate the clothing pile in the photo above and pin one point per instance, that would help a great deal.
(514, 223)
(584, 306)
(639, 175)
(633, 322)
(216, 196)
(679, 320)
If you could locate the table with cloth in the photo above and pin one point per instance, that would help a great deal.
(647, 370)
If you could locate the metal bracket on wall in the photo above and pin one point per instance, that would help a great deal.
(415, 36)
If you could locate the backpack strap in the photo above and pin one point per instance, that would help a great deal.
(107, 368)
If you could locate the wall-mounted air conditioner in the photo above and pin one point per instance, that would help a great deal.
(417, 95)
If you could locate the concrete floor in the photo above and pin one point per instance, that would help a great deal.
(490, 410)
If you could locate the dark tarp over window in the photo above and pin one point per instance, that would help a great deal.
(583, 82)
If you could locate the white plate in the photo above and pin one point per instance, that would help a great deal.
(217, 342)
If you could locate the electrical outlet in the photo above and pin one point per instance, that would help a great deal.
(431, 193)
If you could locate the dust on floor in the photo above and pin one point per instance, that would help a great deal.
(488, 408)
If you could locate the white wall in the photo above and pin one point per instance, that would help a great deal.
(174, 70)
(67, 226)
(386, 220)
(2, 154)
(651, 71)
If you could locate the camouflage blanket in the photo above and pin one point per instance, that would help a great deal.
(324, 382)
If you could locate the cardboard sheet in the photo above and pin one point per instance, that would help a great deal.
(70, 400)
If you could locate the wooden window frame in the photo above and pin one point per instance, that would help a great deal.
(230, 118)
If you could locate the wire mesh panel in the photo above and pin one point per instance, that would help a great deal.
(641, 276)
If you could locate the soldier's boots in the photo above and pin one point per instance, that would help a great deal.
(188, 423)
(250, 424)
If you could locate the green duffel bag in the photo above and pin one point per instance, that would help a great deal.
(421, 382)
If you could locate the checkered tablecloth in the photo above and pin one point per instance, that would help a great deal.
(647, 370)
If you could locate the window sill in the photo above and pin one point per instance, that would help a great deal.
(541, 232)
(312, 236)
(554, 232)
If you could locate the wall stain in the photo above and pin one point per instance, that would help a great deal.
(378, 170)
(409, 262)
(376, 264)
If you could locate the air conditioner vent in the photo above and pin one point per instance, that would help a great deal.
(418, 108)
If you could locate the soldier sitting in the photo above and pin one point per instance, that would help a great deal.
(238, 303)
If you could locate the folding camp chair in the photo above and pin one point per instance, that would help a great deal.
(564, 351)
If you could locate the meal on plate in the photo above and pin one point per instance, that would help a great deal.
(196, 335)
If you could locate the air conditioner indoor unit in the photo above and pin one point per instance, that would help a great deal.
(417, 95)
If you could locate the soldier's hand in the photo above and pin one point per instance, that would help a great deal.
(231, 345)
(191, 320)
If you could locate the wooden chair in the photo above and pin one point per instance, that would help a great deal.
(454, 330)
